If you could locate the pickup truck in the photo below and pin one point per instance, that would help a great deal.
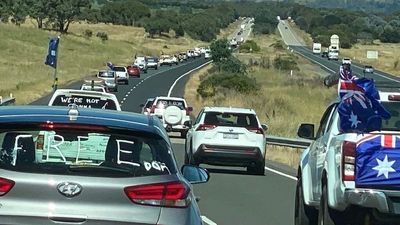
(329, 188)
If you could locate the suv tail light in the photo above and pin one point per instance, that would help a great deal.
(256, 130)
(348, 160)
(5, 186)
(206, 127)
(40, 142)
(174, 194)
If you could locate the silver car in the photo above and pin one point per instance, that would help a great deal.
(110, 79)
(70, 165)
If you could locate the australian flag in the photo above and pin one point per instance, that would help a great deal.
(110, 65)
(378, 161)
(51, 58)
(346, 82)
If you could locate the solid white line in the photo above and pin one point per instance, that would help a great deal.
(185, 74)
(123, 99)
(280, 173)
(207, 221)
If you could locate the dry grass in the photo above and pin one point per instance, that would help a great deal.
(231, 29)
(24, 49)
(283, 102)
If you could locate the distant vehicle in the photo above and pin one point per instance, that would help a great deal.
(152, 62)
(197, 52)
(324, 54)
(173, 113)
(202, 50)
(94, 85)
(110, 80)
(207, 54)
(84, 99)
(141, 61)
(166, 60)
(147, 106)
(92, 167)
(333, 54)
(346, 61)
(122, 74)
(182, 56)
(316, 48)
(134, 70)
(175, 59)
(368, 69)
(227, 136)
(242, 26)
(190, 53)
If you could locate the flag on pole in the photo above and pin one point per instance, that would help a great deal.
(51, 58)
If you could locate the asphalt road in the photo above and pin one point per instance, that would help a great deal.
(384, 81)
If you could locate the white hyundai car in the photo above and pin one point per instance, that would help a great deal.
(227, 137)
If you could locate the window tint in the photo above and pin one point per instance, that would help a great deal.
(106, 74)
(324, 121)
(231, 119)
(119, 69)
(198, 118)
(77, 151)
(164, 103)
(84, 102)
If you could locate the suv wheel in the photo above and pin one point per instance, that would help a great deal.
(327, 215)
(303, 214)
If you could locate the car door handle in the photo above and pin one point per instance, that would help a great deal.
(68, 219)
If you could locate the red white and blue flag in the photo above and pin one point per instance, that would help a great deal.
(378, 161)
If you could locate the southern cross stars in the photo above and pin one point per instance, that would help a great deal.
(354, 120)
(384, 167)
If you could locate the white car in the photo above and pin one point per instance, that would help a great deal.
(84, 99)
(346, 61)
(141, 62)
(122, 74)
(98, 88)
(173, 113)
(166, 60)
(197, 52)
(227, 137)
(110, 80)
(207, 54)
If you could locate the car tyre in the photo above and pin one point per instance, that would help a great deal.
(183, 134)
(258, 169)
(191, 159)
(327, 215)
(303, 214)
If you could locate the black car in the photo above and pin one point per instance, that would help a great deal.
(324, 54)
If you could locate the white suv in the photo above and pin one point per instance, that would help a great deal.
(173, 113)
(122, 74)
(227, 137)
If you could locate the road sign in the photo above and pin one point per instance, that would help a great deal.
(372, 54)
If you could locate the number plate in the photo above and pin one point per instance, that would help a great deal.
(230, 136)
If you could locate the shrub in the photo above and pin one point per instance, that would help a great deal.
(88, 33)
(285, 63)
(102, 35)
(217, 82)
(232, 65)
(249, 46)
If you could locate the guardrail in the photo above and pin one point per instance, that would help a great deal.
(288, 142)
(4, 101)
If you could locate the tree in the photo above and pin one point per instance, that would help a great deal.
(63, 12)
(39, 10)
(124, 12)
(180, 32)
(5, 10)
(220, 50)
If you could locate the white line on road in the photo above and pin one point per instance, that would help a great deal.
(207, 221)
(123, 99)
(280, 173)
(176, 81)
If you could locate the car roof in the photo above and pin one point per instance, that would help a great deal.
(229, 110)
(82, 92)
(58, 114)
(170, 98)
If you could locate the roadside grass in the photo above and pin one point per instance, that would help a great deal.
(24, 49)
(283, 101)
(225, 33)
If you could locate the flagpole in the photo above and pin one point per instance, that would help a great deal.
(55, 82)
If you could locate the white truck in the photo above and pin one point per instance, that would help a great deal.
(328, 188)
(333, 53)
(316, 49)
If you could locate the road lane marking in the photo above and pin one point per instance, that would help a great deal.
(185, 74)
(315, 61)
(281, 173)
(207, 221)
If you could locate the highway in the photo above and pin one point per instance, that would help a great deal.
(382, 79)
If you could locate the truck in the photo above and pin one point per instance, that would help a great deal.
(329, 190)
(316, 48)
(333, 53)
(335, 43)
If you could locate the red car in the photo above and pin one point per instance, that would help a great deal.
(133, 71)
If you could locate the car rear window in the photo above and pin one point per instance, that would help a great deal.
(164, 103)
(231, 119)
(84, 102)
(108, 74)
(83, 151)
(119, 69)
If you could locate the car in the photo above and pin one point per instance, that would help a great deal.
(368, 69)
(173, 113)
(324, 54)
(152, 62)
(175, 59)
(346, 61)
(197, 52)
(227, 136)
(190, 53)
(182, 56)
(98, 88)
(122, 74)
(202, 50)
(134, 71)
(110, 80)
(84, 99)
(147, 106)
(166, 60)
(207, 54)
(141, 62)
(95, 167)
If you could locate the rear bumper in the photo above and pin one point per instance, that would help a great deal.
(175, 128)
(228, 155)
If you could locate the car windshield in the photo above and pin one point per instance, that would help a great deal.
(119, 69)
(85, 102)
(151, 60)
(164, 103)
(83, 150)
(231, 119)
(106, 74)
(94, 88)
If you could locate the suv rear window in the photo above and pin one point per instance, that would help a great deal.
(164, 103)
(83, 151)
(106, 74)
(231, 119)
(119, 69)
(84, 102)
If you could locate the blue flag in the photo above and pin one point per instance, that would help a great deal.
(110, 65)
(378, 161)
(51, 59)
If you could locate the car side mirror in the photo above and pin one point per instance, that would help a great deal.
(264, 127)
(141, 105)
(195, 174)
(306, 130)
(188, 123)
